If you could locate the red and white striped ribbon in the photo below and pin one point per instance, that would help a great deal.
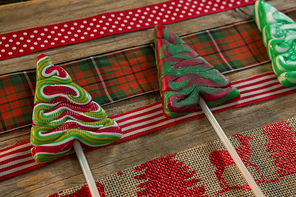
(27, 41)
(17, 159)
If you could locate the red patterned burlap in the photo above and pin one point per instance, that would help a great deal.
(268, 152)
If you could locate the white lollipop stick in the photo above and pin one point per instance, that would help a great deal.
(86, 170)
(256, 190)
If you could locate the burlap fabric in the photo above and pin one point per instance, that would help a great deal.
(269, 153)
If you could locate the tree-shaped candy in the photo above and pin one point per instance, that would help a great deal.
(279, 37)
(184, 76)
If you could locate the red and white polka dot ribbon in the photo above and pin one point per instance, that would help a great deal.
(27, 41)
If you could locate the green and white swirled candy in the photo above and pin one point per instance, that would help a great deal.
(279, 37)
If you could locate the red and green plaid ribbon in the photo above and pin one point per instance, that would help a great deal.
(130, 72)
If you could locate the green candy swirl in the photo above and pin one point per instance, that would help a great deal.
(64, 112)
(60, 114)
(42, 134)
(82, 96)
(279, 37)
(184, 76)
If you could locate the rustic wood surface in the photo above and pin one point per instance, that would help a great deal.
(65, 174)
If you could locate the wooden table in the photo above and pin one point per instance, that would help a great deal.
(67, 173)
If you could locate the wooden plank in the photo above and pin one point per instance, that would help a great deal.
(65, 174)
(45, 12)
(3, 2)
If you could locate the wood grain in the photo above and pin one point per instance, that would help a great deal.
(45, 12)
(65, 174)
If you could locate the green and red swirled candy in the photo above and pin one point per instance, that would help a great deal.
(279, 37)
(184, 76)
(64, 112)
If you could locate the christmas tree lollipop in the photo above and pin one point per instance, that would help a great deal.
(65, 115)
(184, 76)
(279, 37)
(187, 80)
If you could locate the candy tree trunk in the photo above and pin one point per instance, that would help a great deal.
(86, 170)
(230, 148)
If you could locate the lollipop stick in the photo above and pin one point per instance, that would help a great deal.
(230, 148)
(86, 170)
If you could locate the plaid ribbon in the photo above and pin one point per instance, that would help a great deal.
(126, 73)
(198, 166)
(108, 78)
(27, 41)
(17, 159)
